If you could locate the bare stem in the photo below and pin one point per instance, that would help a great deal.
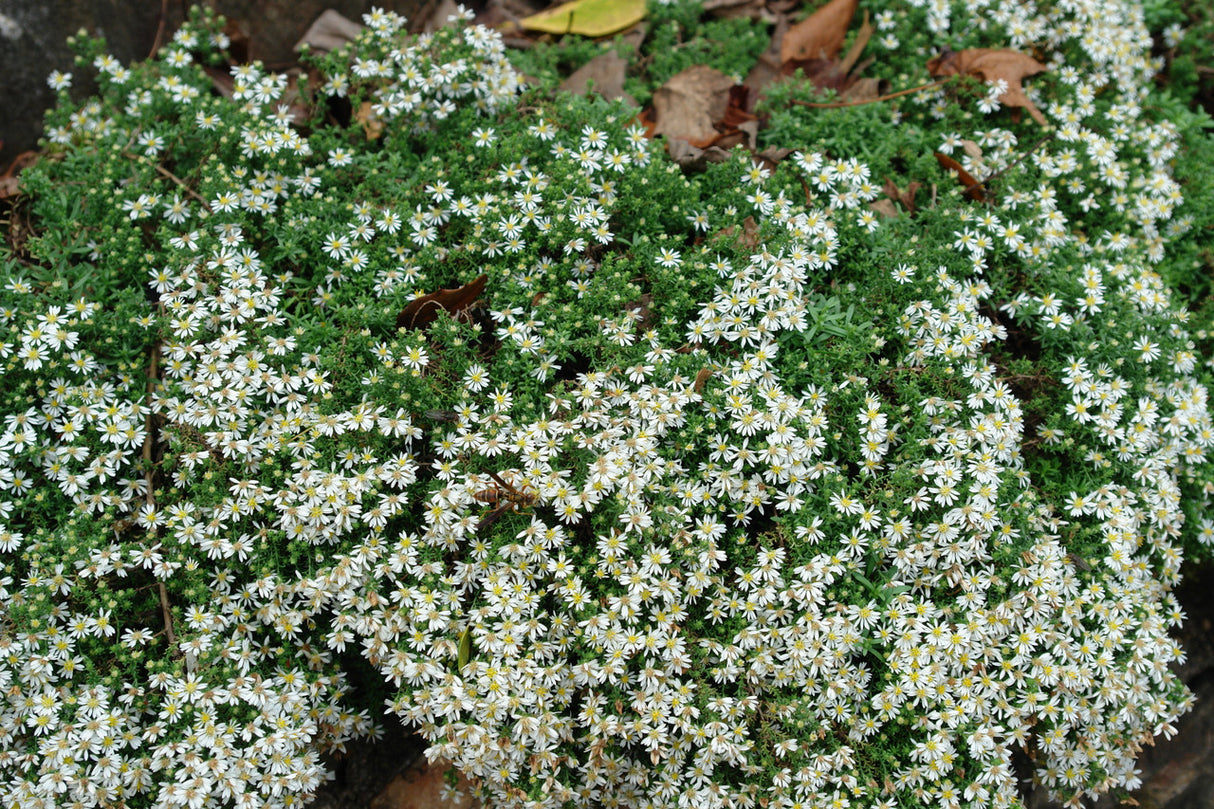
(168, 616)
(163, 172)
(994, 176)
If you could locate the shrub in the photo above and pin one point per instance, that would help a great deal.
(727, 491)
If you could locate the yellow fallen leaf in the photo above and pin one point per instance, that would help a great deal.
(589, 18)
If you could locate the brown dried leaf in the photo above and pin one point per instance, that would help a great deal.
(737, 125)
(767, 69)
(750, 234)
(633, 38)
(989, 64)
(857, 47)
(774, 154)
(422, 311)
(329, 32)
(296, 102)
(884, 207)
(973, 188)
(688, 106)
(692, 158)
(641, 311)
(748, 239)
(221, 80)
(372, 126)
(10, 182)
(240, 43)
(819, 36)
(861, 90)
(604, 74)
(905, 198)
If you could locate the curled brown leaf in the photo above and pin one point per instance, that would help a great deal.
(821, 34)
(989, 64)
(421, 312)
(973, 187)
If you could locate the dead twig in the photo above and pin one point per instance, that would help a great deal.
(166, 611)
(996, 175)
(168, 175)
(164, 13)
(166, 614)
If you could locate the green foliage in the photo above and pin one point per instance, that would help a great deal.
(722, 478)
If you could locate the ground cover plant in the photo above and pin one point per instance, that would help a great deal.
(815, 469)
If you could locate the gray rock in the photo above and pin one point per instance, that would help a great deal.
(367, 768)
(33, 36)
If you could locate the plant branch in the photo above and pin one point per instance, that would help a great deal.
(996, 175)
(166, 614)
(164, 13)
(163, 172)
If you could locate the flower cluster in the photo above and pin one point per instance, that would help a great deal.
(655, 521)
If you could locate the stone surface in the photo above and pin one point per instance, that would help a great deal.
(33, 36)
(33, 43)
(367, 768)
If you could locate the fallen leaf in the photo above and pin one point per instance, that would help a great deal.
(240, 44)
(973, 188)
(768, 67)
(737, 125)
(296, 103)
(821, 34)
(857, 47)
(632, 39)
(591, 18)
(692, 158)
(828, 72)
(372, 126)
(421, 312)
(690, 104)
(10, 182)
(884, 207)
(990, 65)
(774, 154)
(861, 89)
(972, 149)
(329, 32)
(604, 74)
(221, 80)
(641, 311)
(748, 240)
(905, 198)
